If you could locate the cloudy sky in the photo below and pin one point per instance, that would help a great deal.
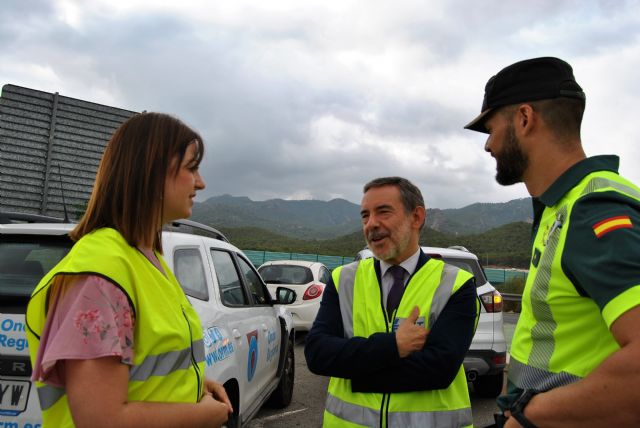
(310, 99)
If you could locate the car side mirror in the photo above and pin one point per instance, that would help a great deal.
(285, 296)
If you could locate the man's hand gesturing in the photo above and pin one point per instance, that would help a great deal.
(409, 336)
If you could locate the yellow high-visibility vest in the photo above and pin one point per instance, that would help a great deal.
(168, 363)
(562, 336)
(429, 288)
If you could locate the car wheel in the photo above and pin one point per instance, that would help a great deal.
(489, 386)
(282, 395)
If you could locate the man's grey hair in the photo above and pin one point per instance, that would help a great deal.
(409, 194)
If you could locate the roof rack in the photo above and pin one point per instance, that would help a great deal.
(182, 225)
(16, 217)
(195, 228)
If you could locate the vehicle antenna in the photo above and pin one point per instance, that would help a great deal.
(64, 204)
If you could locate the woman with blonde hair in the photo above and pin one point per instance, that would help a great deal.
(113, 339)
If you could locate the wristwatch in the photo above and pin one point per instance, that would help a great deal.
(517, 408)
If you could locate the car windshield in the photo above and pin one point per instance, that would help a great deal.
(25, 260)
(286, 274)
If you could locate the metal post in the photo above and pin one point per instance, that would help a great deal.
(47, 167)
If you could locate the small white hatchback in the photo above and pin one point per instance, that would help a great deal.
(308, 279)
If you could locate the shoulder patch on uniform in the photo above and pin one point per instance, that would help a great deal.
(612, 223)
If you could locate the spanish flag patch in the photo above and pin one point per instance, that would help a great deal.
(605, 226)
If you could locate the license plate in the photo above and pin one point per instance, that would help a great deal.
(14, 395)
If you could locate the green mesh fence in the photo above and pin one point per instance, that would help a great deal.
(260, 257)
(495, 276)
(499, 276)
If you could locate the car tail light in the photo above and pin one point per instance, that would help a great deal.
(492, 301)
(499, 359)
(314, 291)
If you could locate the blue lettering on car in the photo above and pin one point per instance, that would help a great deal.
(10, 342)
(217, 345)
(10, 325)
(272, 347)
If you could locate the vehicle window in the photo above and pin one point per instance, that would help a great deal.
(256, 287)
(23, 264)
(189, 270)
(470, 266)
(325, 275)
(286, 274)
(231, 290)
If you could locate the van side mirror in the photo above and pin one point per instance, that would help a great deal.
(285, 296)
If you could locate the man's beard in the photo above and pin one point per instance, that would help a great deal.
(511, 162)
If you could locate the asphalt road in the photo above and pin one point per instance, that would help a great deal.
(310, 390)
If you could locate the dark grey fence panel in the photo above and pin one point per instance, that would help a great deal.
(50, 142)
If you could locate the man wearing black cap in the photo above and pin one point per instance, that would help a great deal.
(575, 355)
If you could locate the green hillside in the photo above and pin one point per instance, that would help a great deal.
(479, 217)
(305, 219)
(506, 246)
(320, 220)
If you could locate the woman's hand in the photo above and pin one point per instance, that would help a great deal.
(217, 391)
(217, 410)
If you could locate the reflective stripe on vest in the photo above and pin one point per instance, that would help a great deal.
(443, 292)
(534, 378)
(352, 412)
(535, 374)
(371, 418)
(437, 419)
(154, 365)
(545, 324)
(163, 364)
(346, 289)
(345, 296)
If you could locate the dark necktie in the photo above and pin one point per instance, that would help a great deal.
(395, 294)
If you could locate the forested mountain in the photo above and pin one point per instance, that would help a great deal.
(312, 219)
(480, 217)
(307, 219)
(499, 234)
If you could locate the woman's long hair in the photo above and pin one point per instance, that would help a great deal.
(129, 187)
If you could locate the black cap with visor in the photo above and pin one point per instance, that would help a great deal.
(528, 80)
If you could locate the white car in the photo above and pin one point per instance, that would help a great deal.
(485, 361)
(308, 279)
(248, 336)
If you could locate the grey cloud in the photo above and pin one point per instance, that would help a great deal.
(255, 88)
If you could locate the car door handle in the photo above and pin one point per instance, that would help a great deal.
(236, 333)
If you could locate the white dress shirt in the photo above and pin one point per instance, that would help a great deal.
(409, 266)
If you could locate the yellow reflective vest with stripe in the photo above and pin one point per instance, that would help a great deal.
(359, 294)
(562, 336)
(168, 363)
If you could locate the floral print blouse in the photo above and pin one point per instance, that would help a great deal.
(91, 319)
